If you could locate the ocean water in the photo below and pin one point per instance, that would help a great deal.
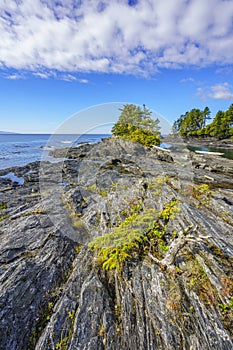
(21, 149)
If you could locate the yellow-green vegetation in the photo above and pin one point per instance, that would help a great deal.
(42, 321)
(136, 124)
(135, 236)
(174, 296)
(91, 188)
(202, 193)
(76, 222)
(102, 331)
(169, 211)
(199, 282)
(114, 186)
(137, 207)
(4, 217)
(103, 193)
(145, 137)
(156, 186)
(3, 205)
(74, 216)
(62, 344)
(34, 212)
(71, 314)
(227, 307)
(226, 216)
(133, 207)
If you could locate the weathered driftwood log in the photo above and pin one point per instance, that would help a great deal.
(183, 237)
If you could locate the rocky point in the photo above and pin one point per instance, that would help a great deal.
(173, 291)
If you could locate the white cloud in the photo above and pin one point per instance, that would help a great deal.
(71, 77)
(102, 36)
(187, 80)
(83, 81)
(41, 75)
(222, 91)
(46, 75)
(15, 76)
(68, 77)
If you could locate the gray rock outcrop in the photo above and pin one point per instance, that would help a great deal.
(54, 292)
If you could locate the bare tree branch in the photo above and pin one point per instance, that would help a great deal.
(183, 237)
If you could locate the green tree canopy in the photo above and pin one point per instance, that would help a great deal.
(193, 123)
(135, 123)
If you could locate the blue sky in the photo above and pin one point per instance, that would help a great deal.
(60, 57)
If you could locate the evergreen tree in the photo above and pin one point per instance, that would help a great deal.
(190, 123)
(135, 123)
(193, 123)
(229, 122)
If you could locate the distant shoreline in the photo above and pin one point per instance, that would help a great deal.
(9, 133)
(205, 142)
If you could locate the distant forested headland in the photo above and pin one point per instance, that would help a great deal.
(194, 124)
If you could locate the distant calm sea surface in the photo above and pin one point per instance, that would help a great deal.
(21, 149)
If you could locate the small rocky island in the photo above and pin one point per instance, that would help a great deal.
(117, 246)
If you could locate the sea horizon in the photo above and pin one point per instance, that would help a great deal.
(22, 149)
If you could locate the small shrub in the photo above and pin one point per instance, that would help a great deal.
(136, 205)
(227, 307)
(103, 193)
(156, 186)
(91, 188)
(144, 137)
(114, 186)
(61, 345)
(169, 210)
(202, 193)
(135, 236)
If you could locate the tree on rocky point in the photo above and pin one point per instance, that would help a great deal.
(135, 123)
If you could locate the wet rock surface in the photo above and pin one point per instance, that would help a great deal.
(53, 292)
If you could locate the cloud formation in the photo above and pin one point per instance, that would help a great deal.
(132, 37)
(221, 92)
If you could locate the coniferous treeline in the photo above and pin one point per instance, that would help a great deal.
(193, 123)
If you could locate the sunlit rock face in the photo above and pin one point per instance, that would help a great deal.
(174, 291)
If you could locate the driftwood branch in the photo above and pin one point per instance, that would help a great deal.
(183, 237)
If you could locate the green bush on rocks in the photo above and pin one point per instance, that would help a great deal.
(135, 236)
(136, 124)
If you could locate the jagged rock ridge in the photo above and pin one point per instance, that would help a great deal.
(54, 293)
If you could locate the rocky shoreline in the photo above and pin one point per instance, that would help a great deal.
(53, 292)
(200, 141)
